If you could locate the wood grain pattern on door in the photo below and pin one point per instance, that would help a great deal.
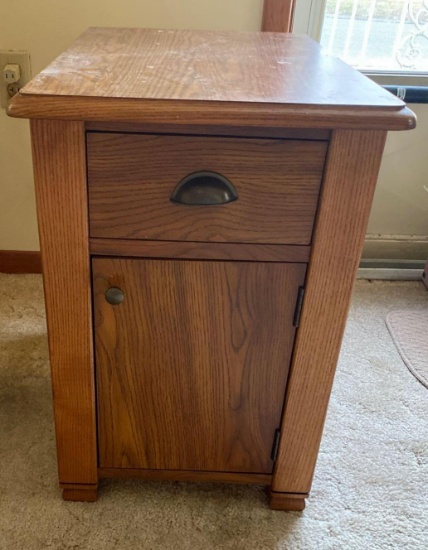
(192, 365)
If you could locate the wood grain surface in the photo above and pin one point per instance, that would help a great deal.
(200, 251)
(180, 475)
(184, 113)
(287, 502)
(202, 77)
(247, 67)
(278, 15)
(351, 173)
(131, 179)
(79, 493)
(192, 365)
(206, 130)
(59, 159)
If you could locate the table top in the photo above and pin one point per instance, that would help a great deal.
(251, 71)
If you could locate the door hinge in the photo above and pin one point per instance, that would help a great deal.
(299, 304)
(275, 445)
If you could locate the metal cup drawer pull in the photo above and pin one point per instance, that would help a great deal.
(204, 188)
(114, 296)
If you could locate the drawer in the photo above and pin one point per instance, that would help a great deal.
(258, 190)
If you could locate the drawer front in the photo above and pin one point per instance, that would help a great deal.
(132, 178)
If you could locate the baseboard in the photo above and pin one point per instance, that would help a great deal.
(20, 261)
(390, 274)
(395, 247)
(391, 270)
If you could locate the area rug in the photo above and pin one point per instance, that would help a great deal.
(409, 331)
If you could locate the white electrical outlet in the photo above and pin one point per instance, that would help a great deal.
(8, 88)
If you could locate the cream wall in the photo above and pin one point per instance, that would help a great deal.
(400, 207)
(48, 26)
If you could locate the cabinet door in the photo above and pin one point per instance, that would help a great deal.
(192, 365)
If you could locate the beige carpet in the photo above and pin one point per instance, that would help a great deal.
(370, 490)
(409, 331)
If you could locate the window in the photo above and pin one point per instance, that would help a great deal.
(387, 39)
(378, 35)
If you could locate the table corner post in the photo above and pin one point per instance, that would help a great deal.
(59, 159)
(350, 176)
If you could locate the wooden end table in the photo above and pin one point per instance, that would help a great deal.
(202, 202)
